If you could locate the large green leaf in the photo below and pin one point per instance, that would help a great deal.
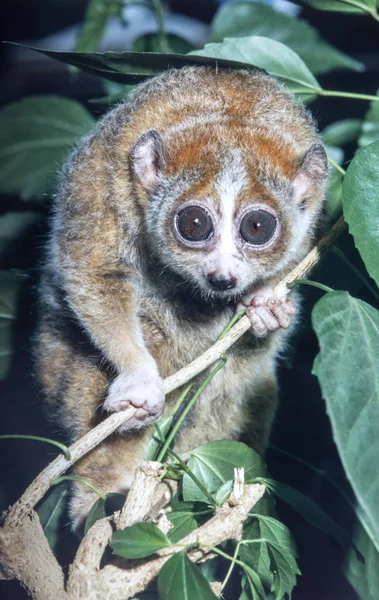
(51, 511)
(133, 67)
(138, 541)
(239, 19)
(347, 368)
(180, 579)
(354, 6)
(10, 284)
(364, 577)
(360, 199)
(95, 20)
(214, 463)
(370, 126)
(35, 135)
(265, 53)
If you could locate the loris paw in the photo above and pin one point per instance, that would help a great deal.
(267, 312)
(143, 390)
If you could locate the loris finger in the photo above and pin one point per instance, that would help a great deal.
(279, 311)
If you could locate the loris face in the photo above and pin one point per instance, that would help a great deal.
(228, 220)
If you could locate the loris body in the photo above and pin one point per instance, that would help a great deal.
(191, 199)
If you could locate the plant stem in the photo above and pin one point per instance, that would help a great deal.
(355, 271)
(315, 284)
(193, 477)
(36, 438)
(158, 8)
(190, 404)
(336, 166)
(335, 93)
(232, 565)
(79, 480)
(233, 320)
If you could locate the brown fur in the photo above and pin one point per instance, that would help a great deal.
(117, 288)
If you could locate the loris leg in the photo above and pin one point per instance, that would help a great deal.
(261, 408)
(76, 387)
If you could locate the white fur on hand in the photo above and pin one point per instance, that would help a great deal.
(142, 389)
(266, 311)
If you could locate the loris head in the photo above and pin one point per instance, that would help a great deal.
(228, 210)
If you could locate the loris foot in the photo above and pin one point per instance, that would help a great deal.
(266, 311)
(142, 389)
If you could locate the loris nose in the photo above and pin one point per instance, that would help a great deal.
(220, 282)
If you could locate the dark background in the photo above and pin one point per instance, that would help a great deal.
(302, 426)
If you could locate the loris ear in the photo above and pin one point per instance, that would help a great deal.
(311, 173)
(147, 159)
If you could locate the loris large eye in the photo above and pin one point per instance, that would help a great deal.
(258, 227)
(194, 223)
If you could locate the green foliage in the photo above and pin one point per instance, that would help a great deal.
(265, 53)
(240, 19)
(187, 516)
(97, 15)
(309, 510)
(347, 368)
(104, 507)
(342, 132)
(51, 511)
(179, 578)
(36, 134)
(363, 576)
(360, 205)
(138, 541)
(351, 6)
(213, 464)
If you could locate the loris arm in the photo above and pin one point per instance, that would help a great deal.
(89, 245)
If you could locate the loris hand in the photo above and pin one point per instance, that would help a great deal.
(266, 311)
(142, 389)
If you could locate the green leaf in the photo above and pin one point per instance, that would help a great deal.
(282, 551)
(180, 579)
(370, 126)
(36, 134)
(13, 225)
(309, 510)
(104, 508)
(10, 286)
(239, 19)
(213, 464)
(187, 516)
(138, 541)
(360, 198)
(50, 512)
(345, 131)
(364, 577)
(254, 584)
(223, 492)
(347, 368)
(96, 513)
(132, 67)
(272, 56)
(151, 42)
(354, 6)
(95, 20)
